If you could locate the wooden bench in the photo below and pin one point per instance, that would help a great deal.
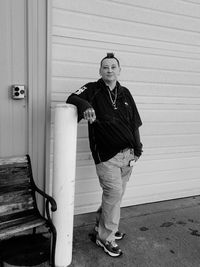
(18, 206)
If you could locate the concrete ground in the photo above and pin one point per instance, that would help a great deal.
(164, 234)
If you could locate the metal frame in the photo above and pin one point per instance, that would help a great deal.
(49, 201)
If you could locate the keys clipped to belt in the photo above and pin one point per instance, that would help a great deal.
(131, 163)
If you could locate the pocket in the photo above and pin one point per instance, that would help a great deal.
(126, 173)
(100, 169)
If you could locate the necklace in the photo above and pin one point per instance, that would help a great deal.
(115, 99)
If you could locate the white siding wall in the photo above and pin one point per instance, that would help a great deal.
(13, 66)
(158, 45)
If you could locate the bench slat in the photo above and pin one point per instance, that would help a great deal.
(13, 160)
(15, 187)
(17, 215)
(14, 176)
(7, 198)
(22, 224)
(16, 202)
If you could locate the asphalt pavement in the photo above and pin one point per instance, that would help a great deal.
(162, 234)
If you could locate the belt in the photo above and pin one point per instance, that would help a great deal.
(124, 150)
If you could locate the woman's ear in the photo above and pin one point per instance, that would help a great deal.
(100, 71)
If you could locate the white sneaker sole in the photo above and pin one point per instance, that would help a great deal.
(96, 228)
(100, 244)
(120, 237)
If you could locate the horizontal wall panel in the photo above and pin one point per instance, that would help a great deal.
(151, 193)
(63, 34)
(177, 7)
(152, 59)
(159, 192)
(170, 116)
(129, 13)
(67, 85)
(124, 51)
(92, 185)
(147, 102)
(60, 69)
(155, 129)
(85, 158)
(153, 141)
(99, 24)
(147, 167)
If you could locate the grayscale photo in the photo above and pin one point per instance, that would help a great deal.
(100, 133)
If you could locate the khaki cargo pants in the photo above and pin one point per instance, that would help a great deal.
(113, 176)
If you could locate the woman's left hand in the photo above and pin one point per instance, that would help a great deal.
(136, 158)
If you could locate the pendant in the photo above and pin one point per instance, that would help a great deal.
(115, 107)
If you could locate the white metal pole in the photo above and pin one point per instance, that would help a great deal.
(65, 134)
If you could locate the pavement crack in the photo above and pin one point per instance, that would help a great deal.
(167, 224)
(144, 228)
(194, 232)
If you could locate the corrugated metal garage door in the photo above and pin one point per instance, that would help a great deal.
(158, 44)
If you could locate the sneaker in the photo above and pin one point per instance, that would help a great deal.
(96, 228)
(111, 248)
(118, 235)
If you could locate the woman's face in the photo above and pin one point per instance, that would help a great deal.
(109, 70)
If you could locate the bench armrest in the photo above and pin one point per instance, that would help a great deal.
(50, 199)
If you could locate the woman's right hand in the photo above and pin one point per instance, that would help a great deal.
(89, 115)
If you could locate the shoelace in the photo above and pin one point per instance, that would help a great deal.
(113, 243)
